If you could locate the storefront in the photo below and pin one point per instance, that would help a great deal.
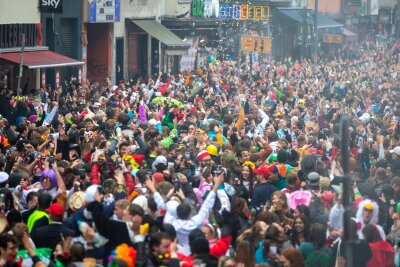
(294, 33)
(97, 38)
(61, 29)
(35, 58)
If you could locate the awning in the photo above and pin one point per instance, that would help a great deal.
(323, 21)
(349, 35)
(41, 59)
(160, 32)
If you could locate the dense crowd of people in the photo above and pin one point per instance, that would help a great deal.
(224, 166)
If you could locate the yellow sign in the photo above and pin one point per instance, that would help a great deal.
(332, 38)
(259, 44)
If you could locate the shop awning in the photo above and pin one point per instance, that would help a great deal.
(349, 35)
(160, 32)
(323, 21)
(41, 59)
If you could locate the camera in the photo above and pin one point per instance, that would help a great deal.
(51, 159)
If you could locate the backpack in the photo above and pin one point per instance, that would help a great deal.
(318, 258)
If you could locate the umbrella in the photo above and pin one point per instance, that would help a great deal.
(162, 99)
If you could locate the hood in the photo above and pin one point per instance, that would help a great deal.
(382, 246)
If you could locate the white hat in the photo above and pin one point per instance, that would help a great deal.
(141, 201)
(3, 177)
(114, 87)
(153, 122)
(158, 160)
(396, 150)
(96, 105)
(90, 192)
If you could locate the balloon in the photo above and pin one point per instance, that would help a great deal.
(211, 58)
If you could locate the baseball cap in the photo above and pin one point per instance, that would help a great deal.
(262, 170)
(55, 210)
(396, 150)
(313, 179)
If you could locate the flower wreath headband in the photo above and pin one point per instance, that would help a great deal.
(250, 164)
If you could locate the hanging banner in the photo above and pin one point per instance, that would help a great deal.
(57, 78)
(259, 44)
(43, 78)
(105, 11)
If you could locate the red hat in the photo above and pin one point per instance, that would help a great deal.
(181, 116)
(263, 170)
(55, 210)
(202, 155)
(138, 158)
(158, 177)
(193, 109)
(198, 99)
(225, 86)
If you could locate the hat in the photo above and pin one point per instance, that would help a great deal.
(158, 177)
(313, 179)
(55, 210)
(77, 200)
(160, 160)
(262, 170)
(90, 192)
(396, 150)
(369, 206)
(96, 105)
(212, 150)
(141, 201)
(3, 177)
(202, 154)
(300, 197)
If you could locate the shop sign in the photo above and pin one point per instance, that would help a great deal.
(51, 6)
(243, 12)
(105, 11)
(259, 44)
(332, 38)
(11, 34)
(205, 8)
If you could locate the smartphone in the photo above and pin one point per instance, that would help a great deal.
(273, 249)
(171, 165)
(187, 155)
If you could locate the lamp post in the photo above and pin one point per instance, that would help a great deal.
(304, 31)
(316, 32)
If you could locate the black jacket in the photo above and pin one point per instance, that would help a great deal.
(49, 236)
(117, 233)
(262, 193)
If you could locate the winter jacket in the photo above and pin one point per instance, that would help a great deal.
(382, 254)
(262, 193)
